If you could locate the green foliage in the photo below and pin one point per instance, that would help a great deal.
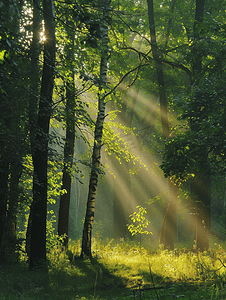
(203, 103)
(139, 222)
(202, 107)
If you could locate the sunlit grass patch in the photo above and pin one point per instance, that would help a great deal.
(130, 260)
(116, 272)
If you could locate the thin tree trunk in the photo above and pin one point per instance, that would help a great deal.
(159, 70)
(40, 157)
(197, 63)
(4, 172)
(200, 185)
(87, 230)
(63, 219)
(10, 234)
(10, 131)
(172, 6)
(34, 92)
(34, 75)
(168, 230)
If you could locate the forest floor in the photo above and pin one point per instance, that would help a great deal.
(119, 271)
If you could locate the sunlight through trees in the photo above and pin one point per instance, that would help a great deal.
(113, 126)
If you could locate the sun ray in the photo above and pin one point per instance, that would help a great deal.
(149, 180)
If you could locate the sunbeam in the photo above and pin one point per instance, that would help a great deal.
(131, 190)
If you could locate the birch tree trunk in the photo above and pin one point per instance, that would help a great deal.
(87, 230)
(168, 230)
(40, 156)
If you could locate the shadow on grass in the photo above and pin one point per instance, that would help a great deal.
(80, 278)
(85, 279)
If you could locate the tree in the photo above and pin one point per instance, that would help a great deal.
(34, 92)
(63, 218)
(195, 154)
(13, 129)
(40, 156)
(96, 155)
(35, 80)
(168, 229)
(200, 183)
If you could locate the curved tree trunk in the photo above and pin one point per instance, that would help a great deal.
(87, 230)
(40, 156)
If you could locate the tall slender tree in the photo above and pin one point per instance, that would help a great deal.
(34, 92)
(168, 230)
(40, 156)
(63, 218)
(200, 184)
(96, 155)
(34, 75)
(13, 129)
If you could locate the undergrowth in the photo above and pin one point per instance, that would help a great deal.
(122, 270)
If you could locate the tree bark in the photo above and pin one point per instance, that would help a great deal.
(63, 218)
(168, 230)
(16, 171)
(4, 172)
(197, 62)
(87, 230)
(34, 75)
(201, 199)
(34, 92)
(40, 157)
(10, 138)
(200, 185)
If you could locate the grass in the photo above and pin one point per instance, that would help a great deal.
(119, 271)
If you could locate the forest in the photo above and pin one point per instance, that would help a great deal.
(112, 149)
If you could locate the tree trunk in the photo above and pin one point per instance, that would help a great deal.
(200, 185)
(197, 62)
(63, 219)
(10, 139)
(40, 157)
(4, 172)
(10, 239)
(34, 92)
(87, 230)
(34, 75)
(201, 196)
(168, 230)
